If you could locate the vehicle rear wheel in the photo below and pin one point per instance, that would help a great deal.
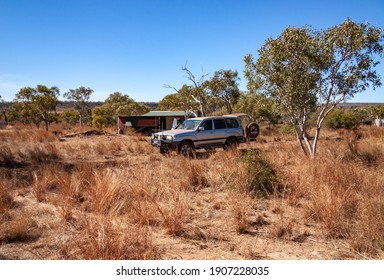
(230, 144)
(187, 149)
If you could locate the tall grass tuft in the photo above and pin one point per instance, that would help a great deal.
(108, 195)
(107, 238)
(6, 156)
(6, 199)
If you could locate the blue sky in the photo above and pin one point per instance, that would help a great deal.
(135, 47)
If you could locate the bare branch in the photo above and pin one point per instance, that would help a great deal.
(171, 87)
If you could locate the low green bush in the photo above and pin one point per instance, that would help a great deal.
(340, 118)
(262, 179)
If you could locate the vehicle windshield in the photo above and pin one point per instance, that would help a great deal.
(189, 124)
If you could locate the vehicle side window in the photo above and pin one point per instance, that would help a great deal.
(232, 123)
(220, 124)
(207, 125)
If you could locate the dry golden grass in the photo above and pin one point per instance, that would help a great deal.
(117, 196)
(103, 238)
(338, 189)
(6, 198)
(19, 230)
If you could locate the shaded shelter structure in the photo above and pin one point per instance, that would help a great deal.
(152, 121)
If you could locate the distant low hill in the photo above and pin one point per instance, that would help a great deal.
(357, 105)
(65, 105)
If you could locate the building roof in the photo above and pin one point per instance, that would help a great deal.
(165, 114)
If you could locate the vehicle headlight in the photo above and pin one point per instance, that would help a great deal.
(169, 138)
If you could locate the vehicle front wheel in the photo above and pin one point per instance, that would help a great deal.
(187, 149)
(163, 151)
(230, 144)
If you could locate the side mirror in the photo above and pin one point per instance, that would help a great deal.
(201, 128)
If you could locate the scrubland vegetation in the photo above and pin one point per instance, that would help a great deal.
(103, 196)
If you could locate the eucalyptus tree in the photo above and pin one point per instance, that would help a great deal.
(180, 100)
(224, 86)
(304, 68)
(260, 107)
(37, 104)
(121, 104)
(101, 117)
(378, 111)
(198, 90)
(80, 97)
(3, 110)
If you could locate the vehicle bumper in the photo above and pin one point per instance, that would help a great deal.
(168, 145)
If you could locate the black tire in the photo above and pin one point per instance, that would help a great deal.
(252, 131)
(187, 149)
(163, 151)
(231, 144)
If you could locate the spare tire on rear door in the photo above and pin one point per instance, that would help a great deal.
(252, 131)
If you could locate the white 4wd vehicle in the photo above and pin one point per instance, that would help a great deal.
(201, 133)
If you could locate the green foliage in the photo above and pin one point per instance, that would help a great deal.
(261, 107)
(224, 86)
(182, 100)
(80, 97)
(303, 68)
(212, 96)
(378, 111)
(262, 178)
(35, 105)
(172, 102)
(287, 129)
(121, 104)
(287, 70)
(68, 117)
(3, 111)
(101, 117)
(340, 118)
(364, 114)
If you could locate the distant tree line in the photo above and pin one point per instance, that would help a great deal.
(39, 106)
